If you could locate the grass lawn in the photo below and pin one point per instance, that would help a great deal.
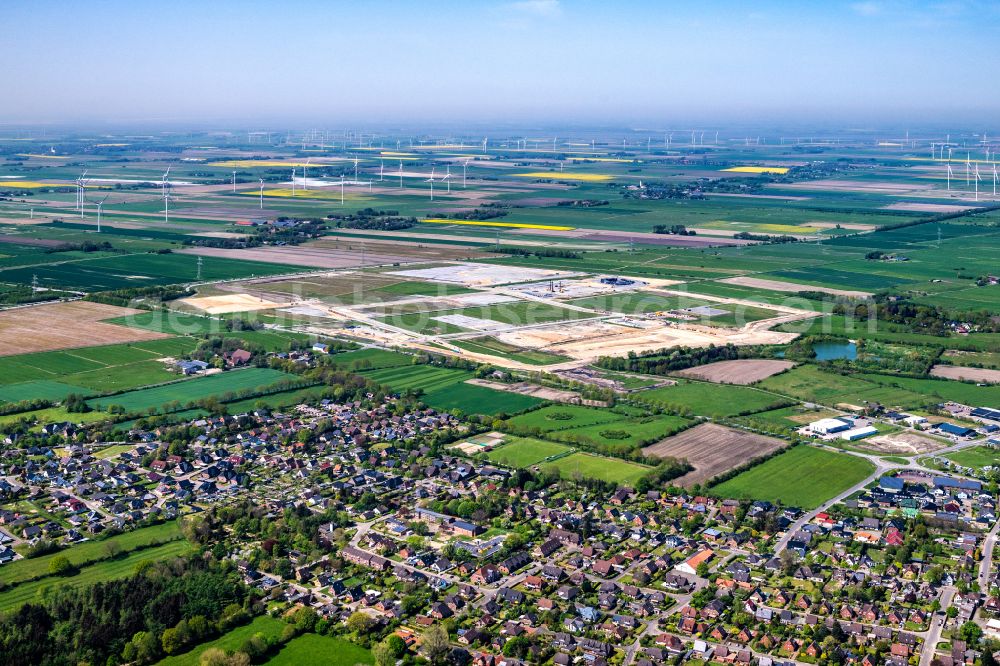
(714, 400)
(54, 415)
(592, 466)
(525, 451)
(976, 456)
(316, 649)
(803, 476)
(96, 573)
(265, 624)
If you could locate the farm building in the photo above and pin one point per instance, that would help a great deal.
(829, 426)
(955, 430)
(191, 367)
(913, 420)
(986, 414)
(858, 433)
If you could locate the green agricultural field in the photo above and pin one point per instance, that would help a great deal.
(811, 383)
(523, 452)
(713, 400)
(138, 270)
(41, 388)
(562, 417)
(592, 466)
(976, 456)
(413, 377)
(231, 641)
(937, 390)
(628, 433)
(54, 415)
(171, 321)
(192, 390)
(473, 399)
(371, 359)
(100, 572)
(86, 552)
(316, 649)
(803, 476)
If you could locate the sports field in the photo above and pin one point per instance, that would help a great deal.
(525, 451)
(590, 466)
(562, 417)
(804, 477)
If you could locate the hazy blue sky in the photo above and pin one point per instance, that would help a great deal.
(537, 60)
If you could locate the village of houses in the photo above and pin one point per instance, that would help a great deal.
(898, 573)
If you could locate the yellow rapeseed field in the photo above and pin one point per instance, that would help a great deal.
(757, 169)
(43, 157)
(560, 175)
(30, 184)
(490, 223)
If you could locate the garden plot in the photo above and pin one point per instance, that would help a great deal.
(484, 275)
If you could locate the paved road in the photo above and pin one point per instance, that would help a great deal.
(937, 624)
(986, 565)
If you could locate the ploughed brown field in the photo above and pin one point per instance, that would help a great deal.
(712, 449)
(742, 371)
(64, 326)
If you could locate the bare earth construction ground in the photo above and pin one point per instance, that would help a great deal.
(747, 371)
(712, 449)
(65, 326)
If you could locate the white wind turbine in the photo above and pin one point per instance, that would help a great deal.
(950, 175)
(80, 182)
(994, 179)
(431, 181)
(355, 169)
(100, 207)
(341, 189)
(977, 179)
(447, 178)
(400, 173)
(465, 166)
(381, 170)
(305, 183)
(262, 194)
(968, 169)
(164, 182)
(484, 144)
(293, 181)
(234, 182)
